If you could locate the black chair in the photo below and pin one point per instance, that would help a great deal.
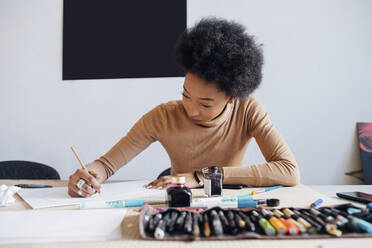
(26, 170)
(166, 172)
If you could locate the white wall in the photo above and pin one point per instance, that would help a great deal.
(316, 86)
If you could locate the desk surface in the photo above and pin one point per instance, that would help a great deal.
(131, 236)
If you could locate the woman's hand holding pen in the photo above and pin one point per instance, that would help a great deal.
(166, 181)
(89, 188)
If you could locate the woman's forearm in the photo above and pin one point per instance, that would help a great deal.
(271, 173)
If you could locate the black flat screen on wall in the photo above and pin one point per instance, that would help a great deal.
(121, 38)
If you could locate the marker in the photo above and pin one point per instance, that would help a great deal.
(275, 222)
(292, 228)
(116, 204)
(340, 222)
(306, 224)
(207, 229)
(181, 220)
(160, 228)
(331, 226)
(264, 224)
(316, 203)
(353, 210)
(235, 203)
(146, 218)
(187, 227)
(154, 221)
(232, 223)
(216, 223)
(172, 222)
(224, 221)
(352, 224)
(239, 221)
(258, 191)
(195, 226)
(221, 201)
(248, 223)
(313, 223)
(362, 224)
(339, 215)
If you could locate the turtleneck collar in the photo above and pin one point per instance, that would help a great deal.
(221, 118)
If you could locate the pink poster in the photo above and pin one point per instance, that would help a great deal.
(365, 144)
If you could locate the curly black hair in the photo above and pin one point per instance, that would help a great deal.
(220, 51)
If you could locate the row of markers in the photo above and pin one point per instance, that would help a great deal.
(286, 221)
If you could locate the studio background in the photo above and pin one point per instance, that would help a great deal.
(316, 86)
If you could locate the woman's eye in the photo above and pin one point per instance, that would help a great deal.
(185, 95)
(206, 106)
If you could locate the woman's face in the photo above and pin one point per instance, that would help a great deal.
(202, 101)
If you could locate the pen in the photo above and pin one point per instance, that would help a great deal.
(81, 162)
(33, 186)
(266, 189)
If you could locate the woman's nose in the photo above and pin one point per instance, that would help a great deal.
(193, 111)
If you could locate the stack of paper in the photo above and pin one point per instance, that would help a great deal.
(52, 197)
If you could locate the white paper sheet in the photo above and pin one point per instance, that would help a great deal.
(38, 226)
(57, 196)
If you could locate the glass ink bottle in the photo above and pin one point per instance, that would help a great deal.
(178, 194)
(212, 181)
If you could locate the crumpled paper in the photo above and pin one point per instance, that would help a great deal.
(6, 194)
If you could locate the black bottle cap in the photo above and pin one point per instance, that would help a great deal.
(273, 202)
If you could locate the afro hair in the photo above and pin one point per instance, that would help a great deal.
(220, 51)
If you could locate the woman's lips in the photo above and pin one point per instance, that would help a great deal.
(194, 120)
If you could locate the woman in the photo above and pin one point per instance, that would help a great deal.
(214, 122)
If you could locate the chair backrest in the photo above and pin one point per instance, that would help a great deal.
(166, 172)
(16, 169)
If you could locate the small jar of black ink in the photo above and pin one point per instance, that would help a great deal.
(178, 194)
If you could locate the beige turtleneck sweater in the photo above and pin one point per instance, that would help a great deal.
(221, 142)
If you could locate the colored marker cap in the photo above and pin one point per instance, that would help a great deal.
(316, 203)
(369, 205)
